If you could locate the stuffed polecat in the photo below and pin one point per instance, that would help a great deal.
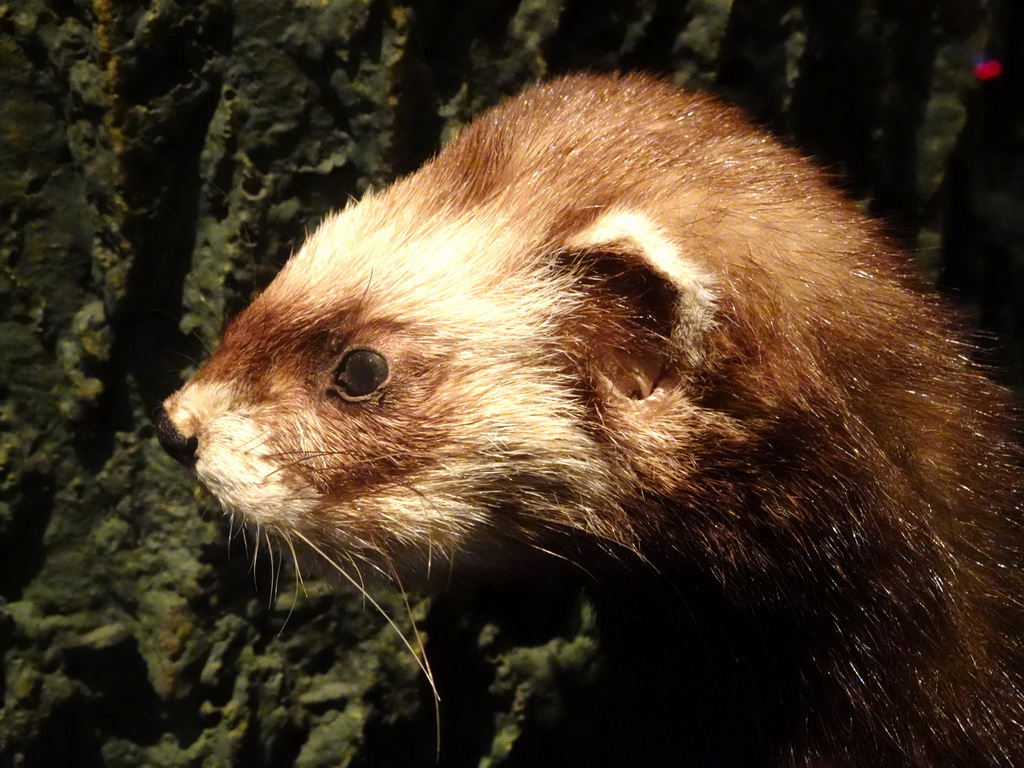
(614, 325)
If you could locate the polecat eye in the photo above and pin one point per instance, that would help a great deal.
(360, 373)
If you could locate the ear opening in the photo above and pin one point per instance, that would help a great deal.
(647, 310)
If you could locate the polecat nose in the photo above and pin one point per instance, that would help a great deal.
(180, 448)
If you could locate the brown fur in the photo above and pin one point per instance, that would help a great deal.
(788, 413)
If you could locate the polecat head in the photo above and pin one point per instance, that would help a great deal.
(608, 311)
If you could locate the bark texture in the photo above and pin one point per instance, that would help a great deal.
(158, 163)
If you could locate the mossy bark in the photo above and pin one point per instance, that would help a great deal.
(158, 163)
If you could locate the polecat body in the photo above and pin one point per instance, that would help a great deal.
(614, 322)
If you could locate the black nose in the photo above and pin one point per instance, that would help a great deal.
(182, 449)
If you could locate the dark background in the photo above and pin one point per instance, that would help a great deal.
(158, 163)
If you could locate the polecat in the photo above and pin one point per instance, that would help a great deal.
(613, 324)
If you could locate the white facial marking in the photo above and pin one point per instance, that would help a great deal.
(640, 235)
(233, 461)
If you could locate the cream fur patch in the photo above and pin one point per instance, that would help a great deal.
(471, 276)
(233, 461)
(638, 234)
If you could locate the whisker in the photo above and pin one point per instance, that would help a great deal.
(421, 662)
(564, 559)
(426, 662)
(188, 358)
(350, 462)
(255, 557)
(299, 583)
(245, 540)
(351, 556)
(275, 572)
(255, 441)
(359, 574)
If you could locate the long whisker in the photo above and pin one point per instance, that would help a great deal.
(255, 556)
(275, 572)
(245, 540)
(421, 662)
(231, 531)
(426, 662)
(299, 582)
(359, 574)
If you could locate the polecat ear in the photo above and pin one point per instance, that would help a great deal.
(650, 308)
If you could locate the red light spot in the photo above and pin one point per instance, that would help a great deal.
(987, 70)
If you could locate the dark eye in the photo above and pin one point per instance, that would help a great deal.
(361, 373)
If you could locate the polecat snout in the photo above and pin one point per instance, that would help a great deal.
(613, 313)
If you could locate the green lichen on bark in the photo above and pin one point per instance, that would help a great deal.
(159, 161)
